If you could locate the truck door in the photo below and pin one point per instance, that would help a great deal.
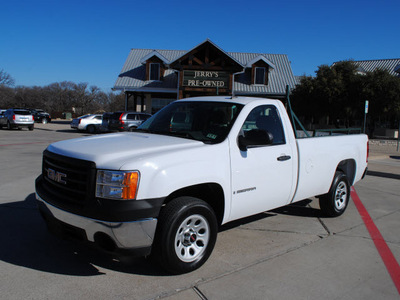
(263, 177)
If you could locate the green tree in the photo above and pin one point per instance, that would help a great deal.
(383, 93)
(339, 93)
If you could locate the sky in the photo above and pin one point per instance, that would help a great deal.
(43, 41)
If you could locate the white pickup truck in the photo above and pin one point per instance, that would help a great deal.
(200, 162)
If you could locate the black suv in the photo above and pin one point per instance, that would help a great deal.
(126, 121)
(40, 116)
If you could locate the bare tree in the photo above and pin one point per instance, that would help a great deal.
(6, 79)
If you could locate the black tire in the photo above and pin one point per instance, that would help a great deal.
(186, 235)
(30, 128)
(91, 129)
(131, 129)
(9, 127)
(335, 202)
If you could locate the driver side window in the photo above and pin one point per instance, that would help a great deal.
(265, 117)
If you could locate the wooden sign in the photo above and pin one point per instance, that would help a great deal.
(206, 79)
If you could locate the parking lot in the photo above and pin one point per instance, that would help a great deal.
(290, 253)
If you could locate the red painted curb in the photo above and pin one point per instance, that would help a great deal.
(384, 251)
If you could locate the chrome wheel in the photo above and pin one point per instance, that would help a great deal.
(335, 202)
(341, 195)
(192, 238)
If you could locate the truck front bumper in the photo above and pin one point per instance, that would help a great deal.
(134, 237)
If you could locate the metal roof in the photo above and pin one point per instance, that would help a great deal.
(132, 76)
(391, 65)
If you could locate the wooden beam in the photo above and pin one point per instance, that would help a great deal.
(198, 61)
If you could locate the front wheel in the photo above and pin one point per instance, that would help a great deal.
(335, 202)
(186, 235)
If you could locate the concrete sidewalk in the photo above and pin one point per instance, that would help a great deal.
(384, 159)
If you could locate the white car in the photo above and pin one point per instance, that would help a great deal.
(90, 123)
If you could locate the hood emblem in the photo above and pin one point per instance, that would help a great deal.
(56, 176)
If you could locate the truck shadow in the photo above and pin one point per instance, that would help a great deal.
(26, 242)
(298, 209)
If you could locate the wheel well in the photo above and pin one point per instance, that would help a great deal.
(212, 193)
(348, 167)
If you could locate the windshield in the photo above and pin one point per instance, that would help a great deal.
(208, 122)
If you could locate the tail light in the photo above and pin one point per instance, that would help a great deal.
(80, 121)
(33, 118)
(13, 117)
(120, 119)
(367, 150)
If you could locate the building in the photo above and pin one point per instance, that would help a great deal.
(391, 65)
(151, 79)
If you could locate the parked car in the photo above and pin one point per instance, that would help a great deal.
(105, 121)
(126, 121)
(17, 118)
(41, 116)
(91, 123)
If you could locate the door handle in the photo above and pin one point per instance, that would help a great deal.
(283, 157)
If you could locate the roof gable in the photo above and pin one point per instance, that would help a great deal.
(207, 54)
(262, 58)
(151, 54)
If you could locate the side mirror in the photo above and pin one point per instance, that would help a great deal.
(255, 138)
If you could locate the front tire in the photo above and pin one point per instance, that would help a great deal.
(335, 202)
(186, 235)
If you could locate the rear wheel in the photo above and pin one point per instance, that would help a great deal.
(91, 129)
(9, 127)
(335, 202)
(30, 128)
(186, 235)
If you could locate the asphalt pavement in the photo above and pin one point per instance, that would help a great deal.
(292, 252)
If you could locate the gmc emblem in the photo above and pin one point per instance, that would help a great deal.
(56, 176)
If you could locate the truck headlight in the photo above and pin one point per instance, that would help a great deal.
(119, 185)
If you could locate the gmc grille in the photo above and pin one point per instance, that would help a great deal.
(68, 182)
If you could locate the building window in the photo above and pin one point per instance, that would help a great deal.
(259, 76)
(154, 71)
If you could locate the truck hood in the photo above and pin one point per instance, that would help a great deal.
(113, 150)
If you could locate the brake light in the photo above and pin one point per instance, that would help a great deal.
(80, 121)
(120, 119)
(367, 150)
(33, 118)
(13, 117)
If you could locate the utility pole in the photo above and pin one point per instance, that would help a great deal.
(398, 136)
